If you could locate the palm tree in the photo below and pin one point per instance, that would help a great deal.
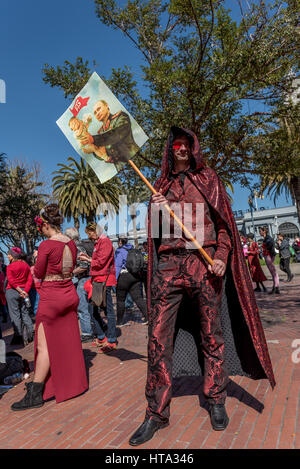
(79, 192)
(283, 183)
(281, 172)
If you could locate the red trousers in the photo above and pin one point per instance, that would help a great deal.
(180, 274)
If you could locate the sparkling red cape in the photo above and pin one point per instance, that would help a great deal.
(211, 187)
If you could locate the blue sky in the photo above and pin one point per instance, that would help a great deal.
(34, 33)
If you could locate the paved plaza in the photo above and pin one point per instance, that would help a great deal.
(114, 406)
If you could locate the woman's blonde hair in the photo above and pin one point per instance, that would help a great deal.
(94, 227)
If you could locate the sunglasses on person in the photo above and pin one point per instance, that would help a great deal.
(177, 146)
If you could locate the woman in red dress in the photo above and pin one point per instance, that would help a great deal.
(256, 271)
(59, 367)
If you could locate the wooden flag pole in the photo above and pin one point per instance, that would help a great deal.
(186, 231)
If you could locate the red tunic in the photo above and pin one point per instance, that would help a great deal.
(19, 275)
(57, 311)
(256, 271)
(187, 196)
(102, 261)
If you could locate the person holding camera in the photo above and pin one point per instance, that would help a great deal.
(102, 272)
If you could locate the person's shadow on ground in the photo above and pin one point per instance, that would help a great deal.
(88, 355)
(193, 386)
(124, 355)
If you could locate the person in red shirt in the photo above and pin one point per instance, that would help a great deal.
(102, 269)
(2, 300)
(19, 281)
(3, 308)
(256, 272)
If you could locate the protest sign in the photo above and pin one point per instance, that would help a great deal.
(100, 129)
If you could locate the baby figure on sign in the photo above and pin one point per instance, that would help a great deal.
(80, 129)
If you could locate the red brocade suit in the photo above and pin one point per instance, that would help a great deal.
(178, 280)
(57, 311)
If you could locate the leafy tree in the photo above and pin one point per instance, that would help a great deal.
(2, 168)
(277, 152)
(20, 202)
(201, 68)
(79, 191)
(2, 175)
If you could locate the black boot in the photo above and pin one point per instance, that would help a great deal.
(290, 278)
(218, 416)
(272, 291)
(33, 397)
(146, 431)
(277, 290)
(257, 289)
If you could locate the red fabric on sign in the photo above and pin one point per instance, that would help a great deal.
(79, 104)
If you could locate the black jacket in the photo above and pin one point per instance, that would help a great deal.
(284, 249)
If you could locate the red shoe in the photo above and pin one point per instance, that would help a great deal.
(99, 343)
(108, 348)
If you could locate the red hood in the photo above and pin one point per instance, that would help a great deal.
(167, 161)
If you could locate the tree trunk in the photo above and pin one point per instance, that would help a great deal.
(91, 217)
(295, 186)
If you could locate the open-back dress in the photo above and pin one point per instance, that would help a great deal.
(57, 311)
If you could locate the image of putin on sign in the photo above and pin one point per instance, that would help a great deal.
(115, 135)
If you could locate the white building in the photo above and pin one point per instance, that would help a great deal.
(278, 220)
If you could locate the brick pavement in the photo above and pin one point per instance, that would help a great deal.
(114, 406)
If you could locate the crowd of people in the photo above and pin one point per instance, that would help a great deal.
(267, 250)
(42, 288)
(19, 287)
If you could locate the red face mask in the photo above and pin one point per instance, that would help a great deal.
(176, 146)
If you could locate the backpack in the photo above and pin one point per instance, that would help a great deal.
(135, 261)
(14, 364)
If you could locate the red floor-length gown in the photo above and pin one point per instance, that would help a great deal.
(256, 272)
(57, 311)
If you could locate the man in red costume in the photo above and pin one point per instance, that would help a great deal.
(224, 312)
